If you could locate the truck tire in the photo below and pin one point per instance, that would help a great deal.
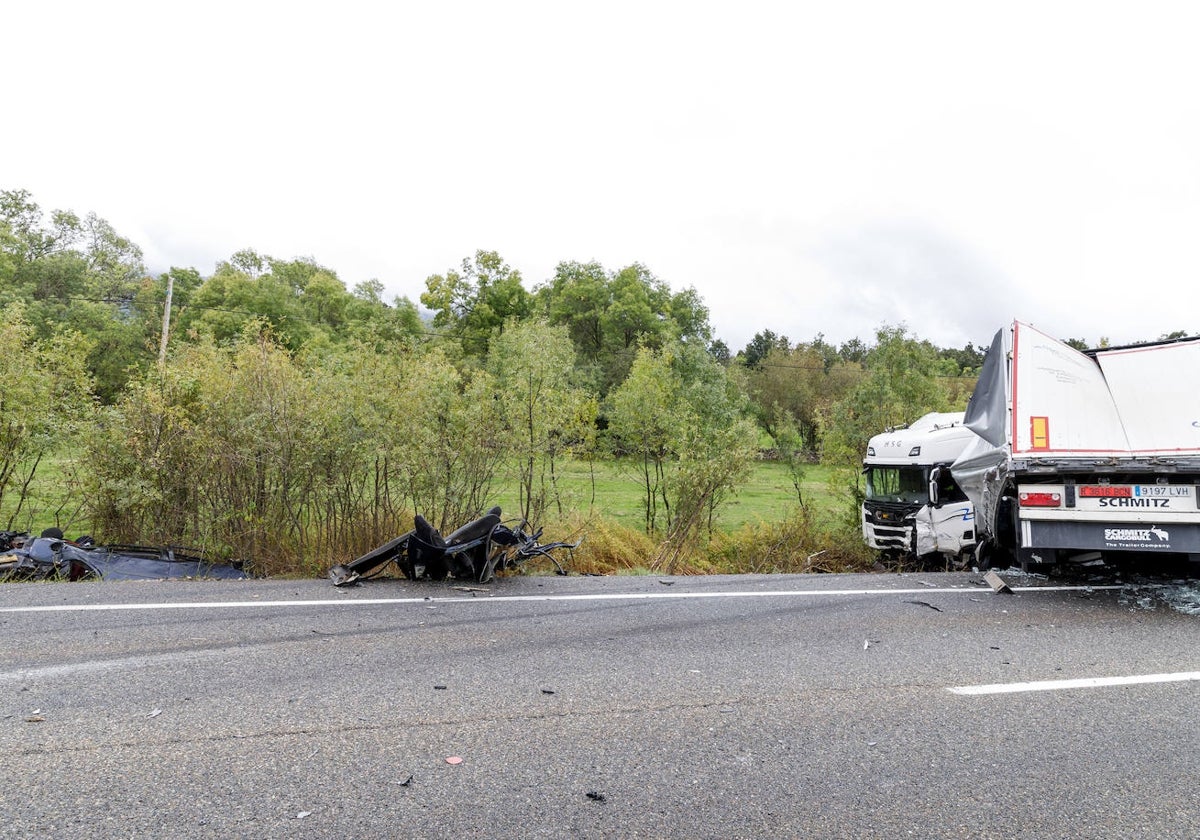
(988, 555)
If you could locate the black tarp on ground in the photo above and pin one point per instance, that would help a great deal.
(53, 558)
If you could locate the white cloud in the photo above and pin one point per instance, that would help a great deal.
(808, 167)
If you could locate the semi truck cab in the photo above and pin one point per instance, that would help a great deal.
(913, 507)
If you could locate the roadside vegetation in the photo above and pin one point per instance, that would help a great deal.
(286, 420)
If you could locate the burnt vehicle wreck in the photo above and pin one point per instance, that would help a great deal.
(51, 557)
(474, 552)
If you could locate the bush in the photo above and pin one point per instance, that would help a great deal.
(795, 544)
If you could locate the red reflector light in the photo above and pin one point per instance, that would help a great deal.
(1041, 499)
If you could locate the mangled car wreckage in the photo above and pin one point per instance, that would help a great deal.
(474, 552)
(51, 557)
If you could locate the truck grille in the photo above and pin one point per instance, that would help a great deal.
(890, 537)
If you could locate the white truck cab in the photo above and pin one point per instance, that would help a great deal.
(913, 507)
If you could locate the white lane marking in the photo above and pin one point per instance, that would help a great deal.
(600, 596)
(1086, 682)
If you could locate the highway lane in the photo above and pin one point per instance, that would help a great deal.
(792, 706)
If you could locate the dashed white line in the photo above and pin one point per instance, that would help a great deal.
(1061, 685)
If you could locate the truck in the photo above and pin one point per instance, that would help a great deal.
(1083, 456)
(913, 508)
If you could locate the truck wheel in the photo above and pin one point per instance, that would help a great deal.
(983, 556)
(988, 555)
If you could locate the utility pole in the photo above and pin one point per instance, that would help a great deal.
(162, 348)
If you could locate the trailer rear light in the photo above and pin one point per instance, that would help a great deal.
(1041, 499)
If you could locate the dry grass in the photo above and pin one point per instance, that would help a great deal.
(794, 544)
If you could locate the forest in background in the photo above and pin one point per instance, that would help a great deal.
(289, 420)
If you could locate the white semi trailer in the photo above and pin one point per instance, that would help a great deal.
(1082, 456)
(913, 507)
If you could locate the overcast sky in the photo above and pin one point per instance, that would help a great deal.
(809, 167)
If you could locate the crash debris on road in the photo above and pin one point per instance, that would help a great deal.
(476, 551)
(52, 557)
(997, 583)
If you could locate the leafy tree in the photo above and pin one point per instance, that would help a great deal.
(476, 302)
(81, 272)
(9, 246)
(793, 448)
(231, 298)
(715, 445)
(641, 424)
(531, 364)
(252, 264)
(827, 351)
(114, 262)
(634, 315)
(325, 300)
(447, 439)
(689, 317)
(610, 314)
(53, 282)
(757, 349)
(792, 386)
(965, 362)
(44, 405)
(28, 239)
(378, 324)
(576, 297)
(900, 385)
(854, 350)
(683, 419)
(184, 283)
(720, 351)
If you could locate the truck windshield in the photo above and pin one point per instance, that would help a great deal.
(898, 484)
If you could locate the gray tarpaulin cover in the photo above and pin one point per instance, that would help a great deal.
(982, 466)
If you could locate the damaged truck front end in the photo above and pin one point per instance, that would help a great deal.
(913, 509)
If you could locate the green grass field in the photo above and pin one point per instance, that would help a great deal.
(604, 489)
(613, 490)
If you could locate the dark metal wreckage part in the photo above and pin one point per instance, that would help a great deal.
(476, 551)
(51, 557)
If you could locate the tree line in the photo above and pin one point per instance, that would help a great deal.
(293, 416)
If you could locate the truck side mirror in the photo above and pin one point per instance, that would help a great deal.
(935, 476)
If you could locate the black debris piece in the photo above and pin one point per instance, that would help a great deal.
(53, 557)
(476, 551)
(924, 604)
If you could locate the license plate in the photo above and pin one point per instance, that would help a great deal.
(1135, 491)
(1106, 491)
(1158, 491)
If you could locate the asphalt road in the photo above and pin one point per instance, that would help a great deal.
(715, 707)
